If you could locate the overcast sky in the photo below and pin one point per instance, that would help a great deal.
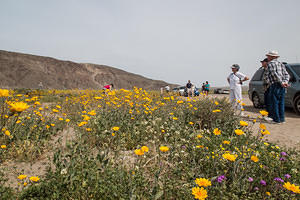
(170, 40)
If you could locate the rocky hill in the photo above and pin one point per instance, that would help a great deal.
(19, 70)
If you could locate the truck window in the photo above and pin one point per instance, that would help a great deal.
(258, 75)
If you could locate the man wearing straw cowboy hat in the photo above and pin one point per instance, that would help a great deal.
(278, 79)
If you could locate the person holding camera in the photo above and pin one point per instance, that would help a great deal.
(235, 80)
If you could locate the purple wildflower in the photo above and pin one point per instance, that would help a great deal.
(278, 180)
(256, 188)
(287, 176)
(283, 153)
(282, 159)
(262, 182)
(221, 178)
(250, 179)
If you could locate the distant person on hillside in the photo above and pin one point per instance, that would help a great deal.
(206, 88)
(189, 88)
(235, 80)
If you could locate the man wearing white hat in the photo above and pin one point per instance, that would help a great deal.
(278, 79)
(235, 80)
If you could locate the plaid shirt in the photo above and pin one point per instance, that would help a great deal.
(266, 80)
(276, 73)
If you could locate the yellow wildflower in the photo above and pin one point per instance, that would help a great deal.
(265, 132)
(199, 136)
(243, 123)
(18, 106)
(215, 111)
(239, 132)
(230, 157)
(92, 112)
(3, 146)
(34, 178)
(203, 182)
(254, 158)
(145, 149)
(164, 148)
(263, 113)
(115, 128)
(199, 193)
(262, 126)
(4, 93)
(291, 187)
(139, 152)
(82, 123)
(7, 133)
(22, 176)
(217, 131)
(226, 142)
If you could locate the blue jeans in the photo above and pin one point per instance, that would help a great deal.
(277, 98)
(268, 102)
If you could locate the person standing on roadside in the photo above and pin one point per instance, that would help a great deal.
(267, 94)
(206, 88)
(203, 88)
(189, 88)
(235, 80)
(278, 78)
(193, 90)
(167, 88)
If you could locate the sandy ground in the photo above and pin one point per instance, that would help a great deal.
(287, 134)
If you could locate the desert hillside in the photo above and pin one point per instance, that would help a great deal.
(30, 71)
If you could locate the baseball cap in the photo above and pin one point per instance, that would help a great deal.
(235, 66)
(264, 60)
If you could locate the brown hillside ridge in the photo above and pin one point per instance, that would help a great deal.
(20, 70)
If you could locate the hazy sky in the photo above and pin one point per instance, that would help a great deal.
(171, 40)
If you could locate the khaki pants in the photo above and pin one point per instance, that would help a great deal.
(189, 91)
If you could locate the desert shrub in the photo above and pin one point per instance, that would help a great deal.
(5, 191)
(78, 175)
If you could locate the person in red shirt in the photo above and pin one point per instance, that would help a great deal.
(108, 87)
